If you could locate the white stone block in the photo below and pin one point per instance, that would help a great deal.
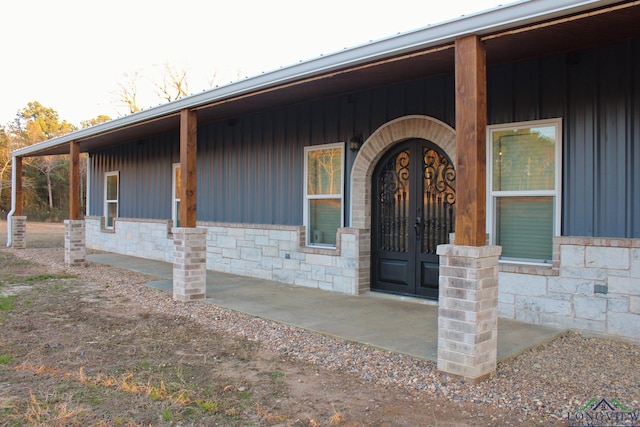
(572, 256)
(573, 323)
(318, 272)
(227, 242)
(583, 273)
(506, 310)
(557, 305)
(624, 285)
(522, 284)
(283, 275)
(564, 285)
(635, 263)
(251, 254)
(591, 308)
(611, 258)
(624, 324)
(315, 259)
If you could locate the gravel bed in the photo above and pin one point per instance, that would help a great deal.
(544, 384)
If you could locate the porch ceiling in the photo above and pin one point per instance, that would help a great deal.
(611, 23)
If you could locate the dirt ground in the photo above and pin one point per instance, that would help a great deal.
(72, 353)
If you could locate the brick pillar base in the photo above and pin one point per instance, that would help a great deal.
(468, 311)
(18, 232)
(74, 243)
(189, 264)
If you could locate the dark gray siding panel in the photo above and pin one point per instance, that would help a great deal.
(145, 169)
(596, 94)
(250, 168)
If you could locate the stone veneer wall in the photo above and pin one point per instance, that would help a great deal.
(593, 285)
(276, 252)
(144, 238)
(272, 252)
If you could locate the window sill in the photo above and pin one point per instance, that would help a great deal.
(524, 267)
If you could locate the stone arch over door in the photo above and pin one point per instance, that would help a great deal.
(385, 136)
(398, 130)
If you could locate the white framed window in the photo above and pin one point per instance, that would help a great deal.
(111, 197)
(323, 193)
(176, 188)
(524, 185)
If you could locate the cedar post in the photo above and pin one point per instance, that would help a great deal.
(471, 125)
(74, 181)
(468, 299)
(188, 138)
(18, 184)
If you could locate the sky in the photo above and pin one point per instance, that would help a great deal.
(71, 55)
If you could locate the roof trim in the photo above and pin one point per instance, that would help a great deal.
(481, 23)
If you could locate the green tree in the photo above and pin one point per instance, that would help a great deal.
(95, 121)
(45, 179)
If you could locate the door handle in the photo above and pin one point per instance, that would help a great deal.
(418, 228)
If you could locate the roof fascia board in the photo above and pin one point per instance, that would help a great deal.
(481, 23)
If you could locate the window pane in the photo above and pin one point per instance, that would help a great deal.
(178, 182)
(112, 212)
(112, 187)
(324, 221)
(177, 208)
(524, 227)
(324, 171)
(524, 159)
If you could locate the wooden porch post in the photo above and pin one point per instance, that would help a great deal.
(74, 227)
(188, 137)
(467, 311)
(190, 246)
(471, 125)
(18, 184)
(74, 181)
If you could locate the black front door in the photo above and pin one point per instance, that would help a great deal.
(413, 212)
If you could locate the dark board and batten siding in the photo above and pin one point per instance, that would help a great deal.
(250, 168)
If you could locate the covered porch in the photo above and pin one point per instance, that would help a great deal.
(397, 324)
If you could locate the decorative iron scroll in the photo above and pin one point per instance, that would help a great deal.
(438, 200)
(394, 204)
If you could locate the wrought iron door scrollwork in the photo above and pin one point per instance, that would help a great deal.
(394, 203)
(439, 199)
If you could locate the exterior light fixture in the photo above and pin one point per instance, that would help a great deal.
(355, 142)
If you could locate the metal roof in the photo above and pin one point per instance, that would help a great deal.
(510, 32)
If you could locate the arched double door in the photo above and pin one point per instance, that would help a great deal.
(413, 204)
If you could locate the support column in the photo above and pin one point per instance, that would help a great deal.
(190, 247)
(468, 311)
(471, 129)
(189, 272)
(74, 243)
(18, 222)
(74, 227)
(18, 232)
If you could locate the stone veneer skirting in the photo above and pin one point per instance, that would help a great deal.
(272, 252)
(593, 284)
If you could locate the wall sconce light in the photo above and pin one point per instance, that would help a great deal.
(355, 142)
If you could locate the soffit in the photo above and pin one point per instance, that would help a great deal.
(583, 30)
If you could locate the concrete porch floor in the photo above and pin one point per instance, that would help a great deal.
(399, 324)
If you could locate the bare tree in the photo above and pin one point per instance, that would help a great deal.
(174, 84)
(127, 92)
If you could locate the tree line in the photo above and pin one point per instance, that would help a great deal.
(45, 180)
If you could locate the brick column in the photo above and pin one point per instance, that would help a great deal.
(190, 256)
(18, 232)
(74, 243)
(468, 311)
